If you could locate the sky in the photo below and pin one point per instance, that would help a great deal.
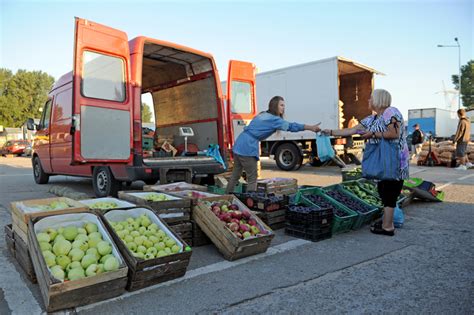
(398, 38)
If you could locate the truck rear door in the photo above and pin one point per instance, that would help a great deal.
(102, 101)
(241, 97)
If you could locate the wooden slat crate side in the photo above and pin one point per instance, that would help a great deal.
(19, 233)
(176, 220)
(19, 223)
(159, 271)
(59, 295)
(23, 258)
(165, 206)
(137, 264)
(164, 189)
(8, 230)
(25, 217)
(9, 239)
(137, 285)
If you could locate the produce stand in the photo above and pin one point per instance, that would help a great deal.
(93, 204)
(174, 187)
(344, 218)
(59, 295)
(231, 246)
(23, 211)
(143, 273)
(277, 185)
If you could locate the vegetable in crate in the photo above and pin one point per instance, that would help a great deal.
(348, 201)
(156, 197)
(363, 195)
(55, 205)
(73, 253)
(319, 201)
(104, 205)
(144, 238)
(239, 222)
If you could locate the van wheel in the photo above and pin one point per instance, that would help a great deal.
(288, 157)
(38, 173)
(104, 182)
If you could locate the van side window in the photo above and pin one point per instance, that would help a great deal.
(103, 77)
(241, 98)
(44, 123)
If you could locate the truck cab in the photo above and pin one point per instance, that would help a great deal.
(92, 125)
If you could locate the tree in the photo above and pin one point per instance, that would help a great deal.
(467, 84)
(22, 95)
(146, 113)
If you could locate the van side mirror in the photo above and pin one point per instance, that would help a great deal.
(30, 124)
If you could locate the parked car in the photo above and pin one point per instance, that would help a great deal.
(15, 147)
(28, 150)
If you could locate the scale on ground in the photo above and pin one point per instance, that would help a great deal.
(186, 132)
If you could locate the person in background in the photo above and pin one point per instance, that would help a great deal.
(387, 123)
(461, 139)
(246, 147)
(416, 142)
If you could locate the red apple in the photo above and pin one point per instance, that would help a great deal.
(235, 220)
(238, 234)
(234, 227)
(233, 207)
(246, 214)
(244, 228)
(253, 222)
(216, 210)
(237, 215)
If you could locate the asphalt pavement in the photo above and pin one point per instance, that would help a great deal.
(427, 267)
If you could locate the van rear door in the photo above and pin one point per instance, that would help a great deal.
(102, 101)
(241, 97)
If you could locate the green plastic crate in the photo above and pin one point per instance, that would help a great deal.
(339, 224)
(362, 218)
(221, 191)
(147, 143)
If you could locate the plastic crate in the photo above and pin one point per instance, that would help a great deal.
(311, 234)
(340, 224)
(350, 175)
(363, 217)
(147, 143)
(221, 190)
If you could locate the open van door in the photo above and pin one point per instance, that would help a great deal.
(102, 104)
(241, 97)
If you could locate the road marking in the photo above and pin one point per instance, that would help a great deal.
(458, 179)
(206, 270)
(466, 177)
(417, 171)
(445, 185)
(29, 174)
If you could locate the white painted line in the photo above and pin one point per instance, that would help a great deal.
(4, 175)
(466, 177)
(416, 172)
(208, 269)
(445, 185)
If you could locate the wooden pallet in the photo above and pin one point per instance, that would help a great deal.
(59, 295)
(228, 244)
(144, 273)
(280, 186)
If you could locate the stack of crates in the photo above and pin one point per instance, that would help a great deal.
(308, 221)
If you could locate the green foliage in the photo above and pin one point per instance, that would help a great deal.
(146, 113)
(22, 95)
(467, 84)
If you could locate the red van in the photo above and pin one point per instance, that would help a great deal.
(91, 124)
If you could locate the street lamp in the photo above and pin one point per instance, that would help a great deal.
(459, 77)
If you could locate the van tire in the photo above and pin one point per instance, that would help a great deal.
(288, 157)
(38, 173)
(104, 182)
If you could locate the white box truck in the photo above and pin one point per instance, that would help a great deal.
(440, 123)
(331, 91)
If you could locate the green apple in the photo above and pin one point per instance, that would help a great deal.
(152, 250)
(135, 234)
(161, 233)
(104, 248)
(91, 227)
(142, 230)
(145, 221)
(81, 244)
(141, 249)
(93, 242)
(93, 251)
(111, 264)
(139, 255)
(91, 270)
(170, 243)
(49, 258)
(149, 256)
(153, 239)
(95, 235)
(104, 258)
(130, 220)
(76, 254)
(88, 260)
(58, 273)
(118, 227)
(153, 227)
(75, 274)
(58, 238)
(45, 246)
(73, 265)
(61, 247)
(52, 233)
(132, 246)
(160, 246)
(168, 250)
(82, 231)
(161, 253)
(63, 261)
(70, 232)
(82, 237)
(100, 268)
(175, 249)
(128, 238)
(43, 237)
(148, 243)
(138, 240)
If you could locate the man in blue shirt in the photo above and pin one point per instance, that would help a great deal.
(246, 147)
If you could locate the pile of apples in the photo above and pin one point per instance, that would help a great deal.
(73, 253)
(239, 222)
(144, 238)
(55, 205)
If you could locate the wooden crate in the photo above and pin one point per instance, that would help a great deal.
(193, 199)
(59, 295)
(174, 187)
(172, 211)
(21, 208)
(275, 219)
(282, 186)
(144, 273)
(199, 237)
(184, 230)
(229, 245)
(23, 257)
(20, 228)
(9, 240)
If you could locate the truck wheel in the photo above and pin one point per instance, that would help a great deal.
(104, 182)
(288, 157)
(40, 176)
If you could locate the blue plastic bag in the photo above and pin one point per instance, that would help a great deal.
(213, 151)
(324, 147)
(381, 160)
(398, 217)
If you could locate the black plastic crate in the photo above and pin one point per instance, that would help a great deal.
(309, 215)
(263, 202)
(311, 234)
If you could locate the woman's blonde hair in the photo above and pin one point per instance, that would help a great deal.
(381, 99)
